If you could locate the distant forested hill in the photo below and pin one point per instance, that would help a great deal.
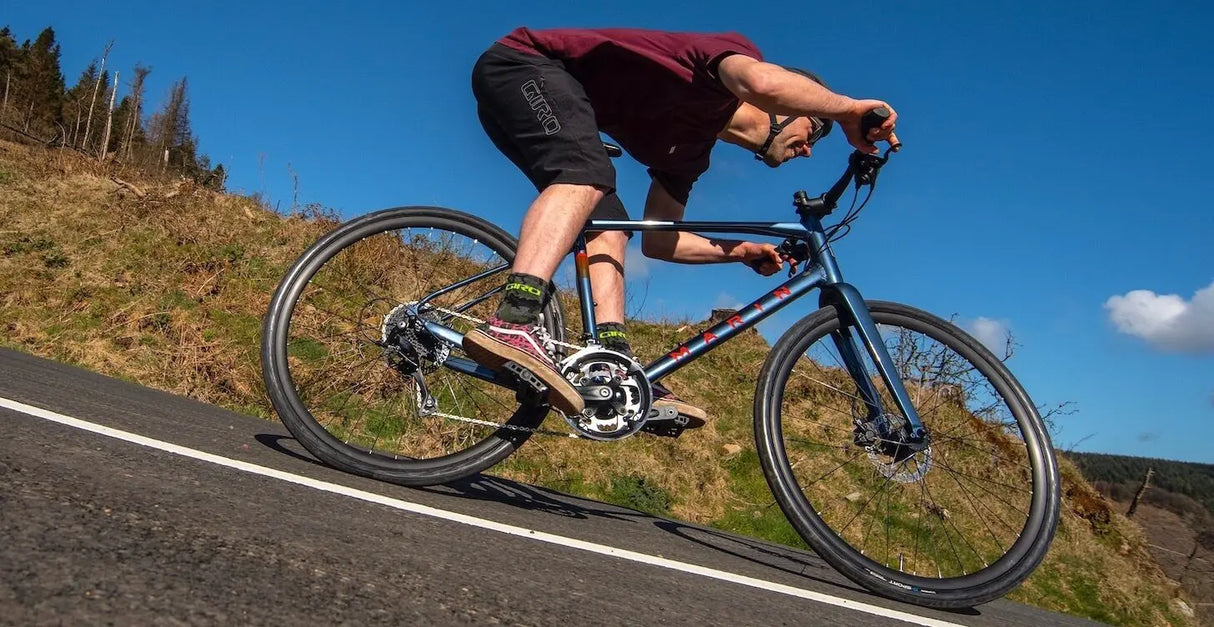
(1193, 480)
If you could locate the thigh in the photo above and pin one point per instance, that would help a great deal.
(541, 119)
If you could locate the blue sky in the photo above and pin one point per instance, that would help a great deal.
(1055, 181)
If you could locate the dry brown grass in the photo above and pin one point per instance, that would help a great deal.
(168, 290)
(152, 289)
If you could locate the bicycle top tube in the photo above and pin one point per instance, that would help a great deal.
(780, 229)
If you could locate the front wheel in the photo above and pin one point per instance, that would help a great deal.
(958, 523)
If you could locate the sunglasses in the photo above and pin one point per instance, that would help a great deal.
(820, 128)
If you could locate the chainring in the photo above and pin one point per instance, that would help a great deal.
(621, 414)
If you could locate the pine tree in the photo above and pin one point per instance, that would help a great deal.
(88, 124)
(8, 49)
(170, 132)
(130, 140)
(76, 104)
(42, 85)
(10, 55)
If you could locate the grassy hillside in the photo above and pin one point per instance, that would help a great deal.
(165, 285)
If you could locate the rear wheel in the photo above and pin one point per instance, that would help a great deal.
(962, 521)
(355, 376)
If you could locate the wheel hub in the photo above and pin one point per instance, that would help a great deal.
(909, 469)
(891, 449)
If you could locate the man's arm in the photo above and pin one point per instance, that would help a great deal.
(685, 247)
(776, 90)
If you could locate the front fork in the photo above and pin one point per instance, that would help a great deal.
(855, 320)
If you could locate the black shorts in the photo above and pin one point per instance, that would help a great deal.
(541, 119)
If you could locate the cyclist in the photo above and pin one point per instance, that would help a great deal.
(666, 98)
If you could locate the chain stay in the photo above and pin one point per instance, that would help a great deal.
(486, 423)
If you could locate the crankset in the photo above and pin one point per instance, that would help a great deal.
(615, 390)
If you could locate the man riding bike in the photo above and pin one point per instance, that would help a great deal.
(666, 98)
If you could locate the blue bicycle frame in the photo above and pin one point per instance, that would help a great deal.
(820, 272)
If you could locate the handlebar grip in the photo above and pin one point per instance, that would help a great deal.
(873, 119)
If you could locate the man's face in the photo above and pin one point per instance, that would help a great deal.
(791, 143)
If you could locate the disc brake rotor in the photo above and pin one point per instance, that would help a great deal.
(910, 470)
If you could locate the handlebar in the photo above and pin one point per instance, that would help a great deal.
(873, 120)
(861, 168)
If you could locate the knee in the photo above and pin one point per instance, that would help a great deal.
(613, 240)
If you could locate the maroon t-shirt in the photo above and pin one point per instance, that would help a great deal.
(656, 93)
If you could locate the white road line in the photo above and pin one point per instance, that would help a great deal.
(471, 520)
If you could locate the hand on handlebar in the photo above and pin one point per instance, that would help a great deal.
(865, 139)
(762, 258)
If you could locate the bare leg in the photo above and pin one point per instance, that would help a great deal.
(551, 226)
(606, 251)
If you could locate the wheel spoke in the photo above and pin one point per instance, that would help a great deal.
(970, 505)
(332, 340)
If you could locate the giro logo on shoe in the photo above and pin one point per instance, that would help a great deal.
(543, 112)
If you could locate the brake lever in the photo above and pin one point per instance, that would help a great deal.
(867, 166)
(794, 253)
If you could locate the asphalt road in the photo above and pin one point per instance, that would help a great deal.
(124, 505)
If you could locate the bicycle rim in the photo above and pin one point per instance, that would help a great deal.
(370, 392)
(960, 522)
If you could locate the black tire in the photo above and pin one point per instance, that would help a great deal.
(976, 511)
(337, 381)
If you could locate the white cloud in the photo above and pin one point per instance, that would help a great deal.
(636, 265)
(1167, 322)
(992, 333)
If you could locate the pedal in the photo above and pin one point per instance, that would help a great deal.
(530, 386)
(665, 422)
(666, 413)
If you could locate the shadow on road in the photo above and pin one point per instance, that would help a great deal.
(512, 493)
(273, 441)
(772, 556)
(487, 488)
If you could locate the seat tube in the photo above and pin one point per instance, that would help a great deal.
(581, 262)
